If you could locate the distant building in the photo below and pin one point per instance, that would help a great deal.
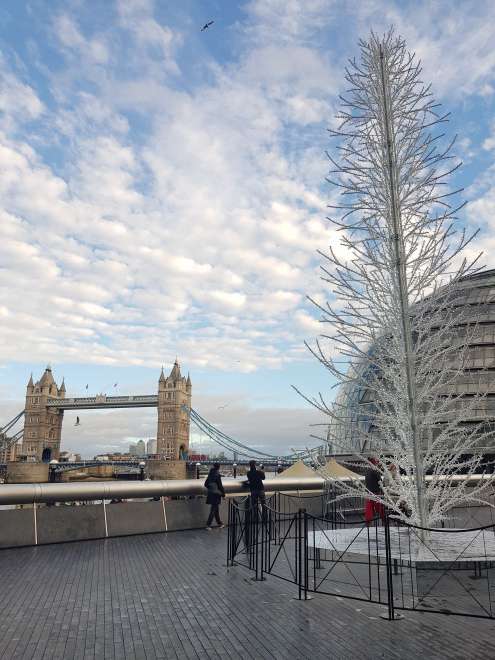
(10, 453)
(199, 458)
(151, 446)
(69, 457)
(138, 448)
(115, 457)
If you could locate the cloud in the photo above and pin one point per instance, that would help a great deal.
(452, 42)
(163, 195)
(144, 241)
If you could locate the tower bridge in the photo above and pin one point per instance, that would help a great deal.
(46, 403)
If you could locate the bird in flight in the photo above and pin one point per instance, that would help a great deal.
(222, 407)
(206, 26)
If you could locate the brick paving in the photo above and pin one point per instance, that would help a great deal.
(171, 596)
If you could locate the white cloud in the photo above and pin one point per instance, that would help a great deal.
(182, 214)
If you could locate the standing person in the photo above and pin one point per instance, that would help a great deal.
(372, 481)
(215, 493)
(255, 481)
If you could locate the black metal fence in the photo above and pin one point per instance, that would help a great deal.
(399, 566)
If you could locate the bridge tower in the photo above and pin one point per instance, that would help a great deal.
(42, 425)
(174, 395)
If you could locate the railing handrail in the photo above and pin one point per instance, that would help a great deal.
(98, 490)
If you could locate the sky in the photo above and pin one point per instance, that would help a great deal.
(163, 195)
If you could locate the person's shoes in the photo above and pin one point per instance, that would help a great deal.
(208, 528)
(221, 525)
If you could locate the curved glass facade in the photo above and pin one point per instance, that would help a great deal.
(355, 433)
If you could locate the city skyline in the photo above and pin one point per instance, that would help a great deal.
(163, 195)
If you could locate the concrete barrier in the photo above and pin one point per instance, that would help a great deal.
(58, 524)
(42, 525)
(17, 527)
(190, 514)
(127, 518)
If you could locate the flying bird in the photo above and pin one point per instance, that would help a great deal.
(222, 407)
(115, 385)
(206, 26)
(87, 386)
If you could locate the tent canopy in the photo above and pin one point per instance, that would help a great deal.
(297, 470)
(337, 471)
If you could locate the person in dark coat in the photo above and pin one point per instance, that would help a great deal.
(255, 480)
(216, 491)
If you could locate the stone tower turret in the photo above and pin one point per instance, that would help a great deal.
(42, 425)
(174, 401)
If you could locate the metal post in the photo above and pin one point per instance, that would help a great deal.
(390, 583)
(105, 517)
(255, 544)
(306, 553)
(299, 552)
(269, 553)
(35, 520)
(235, 469)
(198, 465)
(229, 530)
(164, 513)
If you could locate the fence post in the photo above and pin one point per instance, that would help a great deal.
(306, 554)
(388, 561)
(299, 553)
(229, 534)
(256, 522)
(269, 548)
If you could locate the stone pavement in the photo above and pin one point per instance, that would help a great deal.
(171, 596)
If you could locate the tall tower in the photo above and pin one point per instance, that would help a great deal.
(174, 401)
(42, 425)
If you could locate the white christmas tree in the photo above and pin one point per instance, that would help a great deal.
(400, 330)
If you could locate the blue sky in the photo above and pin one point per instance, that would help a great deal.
(163, 195)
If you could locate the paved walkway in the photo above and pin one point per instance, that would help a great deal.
(170, 596)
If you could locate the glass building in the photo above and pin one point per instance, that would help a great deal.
(354, 434)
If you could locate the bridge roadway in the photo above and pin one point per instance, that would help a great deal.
(170, 596)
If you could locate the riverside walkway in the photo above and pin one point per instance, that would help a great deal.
(171, 596)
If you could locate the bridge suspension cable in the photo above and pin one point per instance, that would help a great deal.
(6, 442)
(13, 422)
(227, 442)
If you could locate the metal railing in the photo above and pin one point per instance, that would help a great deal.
(398, 566)
(98, 490)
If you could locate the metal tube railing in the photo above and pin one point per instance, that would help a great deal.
(98, 490)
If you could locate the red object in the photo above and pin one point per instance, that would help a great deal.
(373, 509)
(198, 457)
